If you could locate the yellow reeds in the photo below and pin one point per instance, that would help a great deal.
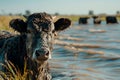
(13, 73)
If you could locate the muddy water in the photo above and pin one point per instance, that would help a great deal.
(87, 52)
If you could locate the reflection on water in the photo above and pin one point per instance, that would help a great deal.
(71, 58)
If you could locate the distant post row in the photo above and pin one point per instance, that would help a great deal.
(98, 20)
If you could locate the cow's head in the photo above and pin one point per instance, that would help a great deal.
(39, 29)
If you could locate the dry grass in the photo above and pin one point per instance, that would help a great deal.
(4, 20)
(71, 17)
(13, 73)
(76, 17)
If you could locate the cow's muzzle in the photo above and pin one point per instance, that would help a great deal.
(42, 54)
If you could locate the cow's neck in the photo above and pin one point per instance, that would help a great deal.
(40, 71)
(43, 71)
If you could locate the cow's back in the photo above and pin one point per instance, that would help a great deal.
(15, 49)
(4, 35)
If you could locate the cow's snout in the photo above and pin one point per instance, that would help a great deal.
(42, 54)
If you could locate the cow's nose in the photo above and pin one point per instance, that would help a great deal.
(42, 54)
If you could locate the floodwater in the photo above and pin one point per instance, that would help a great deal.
(87, 52)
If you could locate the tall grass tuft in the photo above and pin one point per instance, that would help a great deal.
(13, 73)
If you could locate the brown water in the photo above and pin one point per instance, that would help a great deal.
(87, 52)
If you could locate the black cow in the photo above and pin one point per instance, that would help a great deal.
(34, 44)
(83, 20)
(4, 35)
(111, 19)
(96, 20)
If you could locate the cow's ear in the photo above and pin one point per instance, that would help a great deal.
(18, 25)
(62, 24)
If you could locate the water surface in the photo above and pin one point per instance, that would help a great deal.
(69, 64)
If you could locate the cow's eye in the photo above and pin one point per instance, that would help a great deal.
(46, 28)
(53, 31)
